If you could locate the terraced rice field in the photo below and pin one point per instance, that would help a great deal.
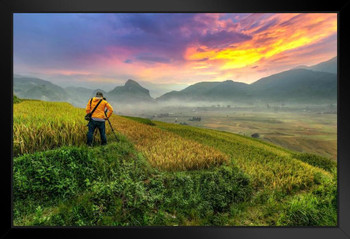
(40, 125)
(160, 174)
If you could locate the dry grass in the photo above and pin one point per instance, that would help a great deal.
(40, 125)
(269, 166)
(166, 150)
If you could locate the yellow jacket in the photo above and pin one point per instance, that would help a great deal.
(99, 112)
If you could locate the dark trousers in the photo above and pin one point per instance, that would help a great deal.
(101, 127)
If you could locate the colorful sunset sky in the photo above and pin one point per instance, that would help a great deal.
(169, 48)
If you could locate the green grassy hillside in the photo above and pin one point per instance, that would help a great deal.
(160, 174)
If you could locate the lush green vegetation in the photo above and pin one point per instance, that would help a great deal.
(160, 174)
(288, 191)
(114, 185)
(16, 99)
(317, 207)
(269, 166)
(317, 161)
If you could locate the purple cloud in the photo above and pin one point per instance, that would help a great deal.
(150, 58)
(75, 40)
(291, 21)
(223, 39)
(128, 61)
(266, 26)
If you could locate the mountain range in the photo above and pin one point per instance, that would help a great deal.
(314, 84)
(34, 88)
(329, 66)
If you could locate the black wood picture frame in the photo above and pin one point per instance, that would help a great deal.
(342, 8)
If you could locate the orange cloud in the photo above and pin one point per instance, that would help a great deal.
(288, 32)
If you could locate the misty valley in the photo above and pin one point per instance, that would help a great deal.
(304, 129)
(296, 109)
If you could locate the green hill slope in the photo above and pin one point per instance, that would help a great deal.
(225, 179)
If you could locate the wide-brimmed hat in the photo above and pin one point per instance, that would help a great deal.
(99, 94)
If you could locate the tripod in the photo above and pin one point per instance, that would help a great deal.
(116, 138)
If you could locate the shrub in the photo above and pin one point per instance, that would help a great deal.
(16, 99)
(114, 185)
(316, 208)
(161, 199)
(56, 173)
(207, 191)
(317, 161)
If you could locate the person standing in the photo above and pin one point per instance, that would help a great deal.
(98, 117)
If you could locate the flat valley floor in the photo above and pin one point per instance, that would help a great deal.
(310, 132)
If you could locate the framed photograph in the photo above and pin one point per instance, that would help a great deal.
(195, 119)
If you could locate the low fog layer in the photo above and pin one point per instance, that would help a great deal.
(299, 88)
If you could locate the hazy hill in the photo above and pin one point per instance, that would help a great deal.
(80, 95)
(131, 92)
(329, 66)
(193, 91)
(210, 91)
(298, 85)
(230, 90)
(34, 88)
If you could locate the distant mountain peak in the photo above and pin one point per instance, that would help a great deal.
(131, 91)
(131, 82)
